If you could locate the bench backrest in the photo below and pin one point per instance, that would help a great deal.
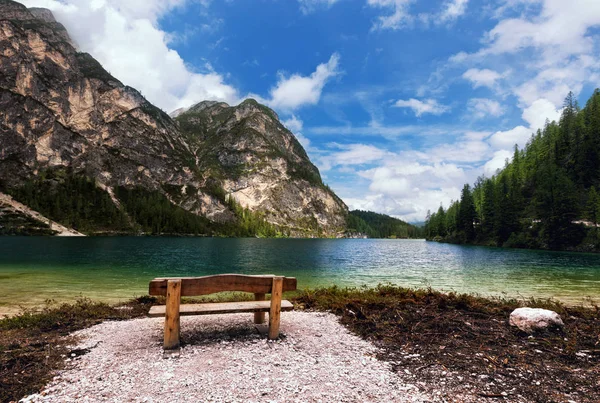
(221, 282)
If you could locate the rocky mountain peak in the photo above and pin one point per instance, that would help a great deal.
(208, 104)
(11, 10)
(199, 107)
(260, 164)
(43, 14)
(213, 106)
(250, 106)
(41, 19)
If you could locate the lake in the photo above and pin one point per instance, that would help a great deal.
(33, 269)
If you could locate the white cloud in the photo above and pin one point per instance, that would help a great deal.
(384, 204)
(535, 116)
(408, 183)
(473, 135)
(379, 130)
(293, 124)
(453, 9)
(351, 154)
(554, 49)
(124, 37)
(385, 181)
(538, 112)
(422, 107)
(357, 154)
(399, 17)
(552, 43)
(296, 91)
(405, 188)
(561, 28)
(483, 107)
(460, 57)
(309, 6)
(461, 151)
(555, 82)
(507, 139)
(497, 162)
(482, 78)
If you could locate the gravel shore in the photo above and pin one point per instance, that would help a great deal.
(225, 358)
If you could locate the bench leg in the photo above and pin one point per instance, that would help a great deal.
(275, 311)
(172, 315)
(259, 317)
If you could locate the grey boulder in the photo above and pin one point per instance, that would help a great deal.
(531, 320)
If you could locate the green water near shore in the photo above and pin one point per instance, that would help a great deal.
(33, 270)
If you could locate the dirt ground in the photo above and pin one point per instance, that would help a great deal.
(463, 349)
(444, 347)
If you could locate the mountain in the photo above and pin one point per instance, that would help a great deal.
(91, 153)
(376, 225)
(245, 152)
(545, 198)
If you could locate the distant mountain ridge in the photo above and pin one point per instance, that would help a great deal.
(67, 125)
(376, 225)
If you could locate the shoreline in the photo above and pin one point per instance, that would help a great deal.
(71, 234)
(576, 250)
(583, 301)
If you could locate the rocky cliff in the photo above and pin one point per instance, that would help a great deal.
(60, 111)
(246, 151)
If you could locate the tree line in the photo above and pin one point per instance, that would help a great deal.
(545, 198)
(376, 225)
(75, 200)
(71, 199)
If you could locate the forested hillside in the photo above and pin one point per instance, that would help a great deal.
(376, 225)
(547, 197)
(75, 200)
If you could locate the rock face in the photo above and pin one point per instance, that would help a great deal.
(246, 151)
(60, 109)
(531, 320)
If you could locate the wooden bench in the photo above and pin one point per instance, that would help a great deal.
(177, 287)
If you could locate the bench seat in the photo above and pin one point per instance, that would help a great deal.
(221, 307)
(176, 287)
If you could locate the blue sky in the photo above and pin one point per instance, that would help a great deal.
(398, 102)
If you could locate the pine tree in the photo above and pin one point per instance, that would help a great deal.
(487, 210)
(466, 214)
(441, 222)
(592, 212)
(556, 204)
(451, 217)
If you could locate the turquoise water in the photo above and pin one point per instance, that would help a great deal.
(33, 269)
